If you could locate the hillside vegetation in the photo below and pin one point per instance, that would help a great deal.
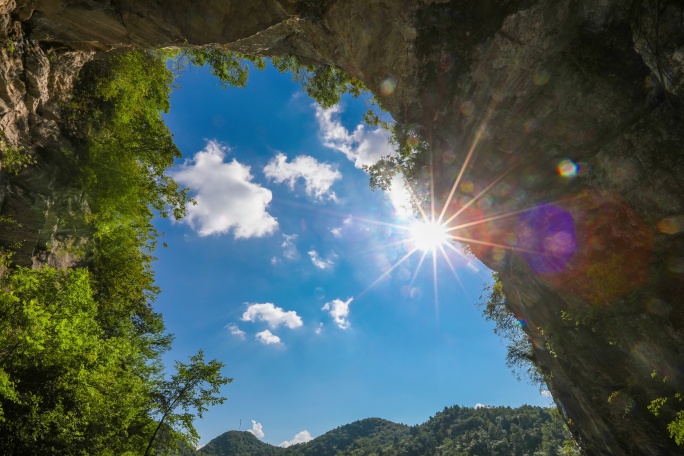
(455, 431)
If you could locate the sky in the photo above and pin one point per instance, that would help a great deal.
(289, 270)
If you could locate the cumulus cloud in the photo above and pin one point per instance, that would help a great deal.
(301, 437)
(257, 430)
(339, 311)
(363, 146)
(545, 393)
(319, 329)
(234, 330)
(226, 197)
(479, 406)
(266, 337)
(272, 315)
(289, 248)
(318, 177)
(321, 263)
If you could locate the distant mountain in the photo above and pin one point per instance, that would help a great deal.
(455, 431)
(238, 443)
(355, 438)
(368, 433)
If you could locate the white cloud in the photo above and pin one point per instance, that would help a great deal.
(545, 393)
(266, 337)
(301, 437)
(318, 177)
(339, 311)
(257, 430)
(321, 263)
(289, 248)
(226, 197)
(337, 231)
(274, 260)
(364, 146)
(479, 406)
(234, 330)
(319, 329)
(274, 316)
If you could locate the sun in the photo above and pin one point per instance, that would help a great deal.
(428, 235)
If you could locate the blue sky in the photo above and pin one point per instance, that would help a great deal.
(275, 273)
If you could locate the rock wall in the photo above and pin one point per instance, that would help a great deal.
(565, 118)
(581, 142)
(41, 212)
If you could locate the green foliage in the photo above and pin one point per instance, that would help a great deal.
(238, 443)
(229, 67)
(80, 366)
(123, 152)
(14, 159)
(361, 437)
(323, 83)
(193, 387)
(125, 148)
(410, 147)
(485, 431)
(520, 356)
(668, 406)
(456, 431)
(9, 45)
(64, 388)
(676, 426)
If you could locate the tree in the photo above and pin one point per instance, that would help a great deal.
(193, 387)
(520, 356)
(64, 387)
(324, 83)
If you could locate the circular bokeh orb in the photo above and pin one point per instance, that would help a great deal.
(547, 237)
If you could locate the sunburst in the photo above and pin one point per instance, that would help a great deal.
(436, 233)
(428, 236)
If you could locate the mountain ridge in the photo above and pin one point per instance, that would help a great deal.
(455, 430)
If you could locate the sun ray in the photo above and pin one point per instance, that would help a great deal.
(386, 273)
(492, 244)
(456, 250)
(416, 203)
(420, 263)
(432, 191)
(487, 219)
(434, 281)
(479, 195)
(376, 222)
(476, 141)
(451, 265)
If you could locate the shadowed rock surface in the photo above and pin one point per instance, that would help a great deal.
(565, 118)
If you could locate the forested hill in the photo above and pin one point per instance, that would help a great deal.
(457, 431)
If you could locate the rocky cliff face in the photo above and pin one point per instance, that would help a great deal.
(42, 216)
(556, 133)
